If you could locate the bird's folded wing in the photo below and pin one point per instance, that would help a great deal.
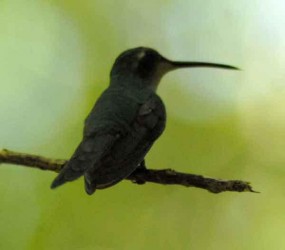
(129, 151)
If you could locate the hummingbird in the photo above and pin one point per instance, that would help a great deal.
(125, 121)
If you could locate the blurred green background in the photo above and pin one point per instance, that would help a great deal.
(55, 62)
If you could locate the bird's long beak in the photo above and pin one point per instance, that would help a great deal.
(172, 65)
(167, 65)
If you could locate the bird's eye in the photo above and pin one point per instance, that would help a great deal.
(147, 64)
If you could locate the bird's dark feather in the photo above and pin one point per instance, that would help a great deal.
(129, 151)
(116, 138)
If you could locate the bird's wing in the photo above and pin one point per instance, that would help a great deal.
(98, 138)
(111, 149)
(130, 149)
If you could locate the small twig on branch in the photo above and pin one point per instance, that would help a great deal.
(141, 176)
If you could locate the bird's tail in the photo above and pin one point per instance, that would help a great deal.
(66, 174)
(70, 172)
(74, 168)
(88, 153)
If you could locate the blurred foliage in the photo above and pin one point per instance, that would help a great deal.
(55, 62)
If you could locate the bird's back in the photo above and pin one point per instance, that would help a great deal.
(115, 109)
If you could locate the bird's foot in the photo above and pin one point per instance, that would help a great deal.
(141, 168)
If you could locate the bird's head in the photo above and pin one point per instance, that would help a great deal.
(147, 66)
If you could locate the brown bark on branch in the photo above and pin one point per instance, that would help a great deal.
(141, 176)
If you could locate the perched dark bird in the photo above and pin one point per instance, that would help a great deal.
(125, 121)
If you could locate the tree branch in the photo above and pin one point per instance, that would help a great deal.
(140, 176)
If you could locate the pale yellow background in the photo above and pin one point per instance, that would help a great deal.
(55, 58)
